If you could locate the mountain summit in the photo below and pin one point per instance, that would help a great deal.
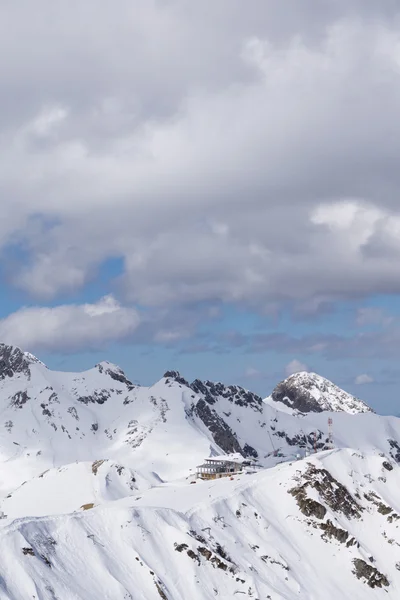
(309, 392)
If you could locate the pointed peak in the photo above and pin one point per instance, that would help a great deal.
(14, 361)
(175, 376)
(114, 372)
(33, 359)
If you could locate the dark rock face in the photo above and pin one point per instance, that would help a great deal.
(19, 399)
(200, 388)
(175, 376)
(120, 376)
(223, 435)
(386, 465)
(330, 491)
(369, 574)
(117, 374)
(221, 432)
(98, 397)
(311, 508)
(394, 450)
(309, 392)
(311, 440)
(330, 531)
(294, 396)
(249, 451)
(12, 362)
(234, 393)
(210, 393)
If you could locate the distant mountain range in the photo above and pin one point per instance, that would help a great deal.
(92, 463)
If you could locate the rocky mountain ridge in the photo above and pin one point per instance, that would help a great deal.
(93, 464)
(60, 417)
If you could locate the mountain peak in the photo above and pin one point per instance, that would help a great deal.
(14, 361)
(114, 372)
(175, 376)
(309, 392)
(33, 359)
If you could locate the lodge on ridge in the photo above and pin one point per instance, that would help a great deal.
(222, 466)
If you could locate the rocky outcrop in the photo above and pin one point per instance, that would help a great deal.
(369, 574)
(175, 376)
(233, 393)
(13, 362)
(221, 432)
(331, 492)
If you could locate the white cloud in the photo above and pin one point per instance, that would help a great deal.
(70, 328)
(181, 168)
(363, 379)
(295, 366)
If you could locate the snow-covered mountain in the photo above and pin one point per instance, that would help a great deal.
(309, 392)
(94, 466)
(51, 419)
(325, 527)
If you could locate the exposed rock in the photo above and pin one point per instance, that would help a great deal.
(160, 591)
(13, 362)
(309, 507)
(331, 492)
(19, 399)
(116, 373)
(175, 376)
(394, 450)
(311, 440)
(233, 393)
(223, 436)
(205, 552)
(96, 465)
(200, 388)
(98, 397)
(272, 561)
(371, 575)
(383, 509)
(331, 531)
(308, 392)
(249, 451)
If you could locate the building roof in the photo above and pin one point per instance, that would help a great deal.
(232, 458)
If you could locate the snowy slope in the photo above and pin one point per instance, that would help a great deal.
(98, 496)
(67, 489)
(309, 392)
(325, 527)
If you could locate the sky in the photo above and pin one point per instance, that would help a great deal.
(211, 187)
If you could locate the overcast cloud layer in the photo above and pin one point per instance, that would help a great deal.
(226, 152)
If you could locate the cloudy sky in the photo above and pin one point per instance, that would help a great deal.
(209, 186)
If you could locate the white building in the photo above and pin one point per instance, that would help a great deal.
(222, 466)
